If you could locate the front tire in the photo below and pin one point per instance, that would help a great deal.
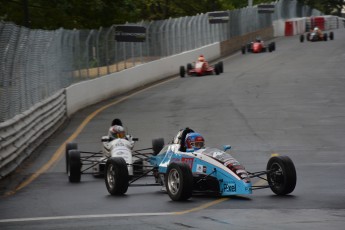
(116, 176)
(179, 181)
(281, 175)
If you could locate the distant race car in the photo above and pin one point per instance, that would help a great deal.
(201, 68)
(317, 36)
(207, 170)
(85, 162)
(258, 46)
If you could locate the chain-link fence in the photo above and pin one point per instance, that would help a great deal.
(35, 64)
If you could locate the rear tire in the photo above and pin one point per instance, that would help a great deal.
(331, 35)
(243, 50)
(220, 64)
(74, 173)
(301, 38)
(116, 176)
(179, 181)
(182, 71)
(68, 147)
(216, 69)
(157, 145)
(282, 175)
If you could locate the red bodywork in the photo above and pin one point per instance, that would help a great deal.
(257, 47)
(200, 69)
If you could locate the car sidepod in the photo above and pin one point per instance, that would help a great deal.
(209, 174)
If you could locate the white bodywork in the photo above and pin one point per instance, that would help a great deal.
(117, 148)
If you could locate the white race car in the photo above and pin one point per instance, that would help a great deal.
(84, 162)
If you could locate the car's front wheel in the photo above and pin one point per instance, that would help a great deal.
(281, 175)
(179, 181)
(116, 176)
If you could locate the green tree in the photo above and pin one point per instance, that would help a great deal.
(326, 6)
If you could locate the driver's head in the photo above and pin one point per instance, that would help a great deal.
(258, 39)
(316, 28)
(117, 131)
(201, 58)
(194, 141)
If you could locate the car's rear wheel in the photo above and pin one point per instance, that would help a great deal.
(325, 37)
(68, 147)
(74, 166)
(243, 49)
(220, 65)
(331, 35)
(182, 71)
(216, 69)
(189, 67)
(281, 175)
(116, 176)
(179, 181)
(301, 38)
(157, 145)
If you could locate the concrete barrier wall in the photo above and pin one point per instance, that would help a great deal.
(234, 44)
(90, 92)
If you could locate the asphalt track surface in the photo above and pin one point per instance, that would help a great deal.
(290, 102)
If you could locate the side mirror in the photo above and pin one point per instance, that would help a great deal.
(226, 147)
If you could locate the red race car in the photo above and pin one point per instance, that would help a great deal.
(258, 46)
(201, 68)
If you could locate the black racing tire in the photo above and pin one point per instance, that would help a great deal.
(331, 35)
(281, 175)
(74, 171)
(68, 147)
(325, 37)
(216, 69)
(116, 176)
(189, 67)
(179, 181)
(273, 46)
(243, 49)
(301, 38)
(157, 145)
(182, 71)
(220, 64)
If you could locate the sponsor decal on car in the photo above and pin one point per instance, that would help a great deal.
(201, 168)
(229, 187)
(188, 161)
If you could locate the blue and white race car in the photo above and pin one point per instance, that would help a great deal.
(208, 170)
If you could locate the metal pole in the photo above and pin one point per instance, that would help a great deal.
(250, 3)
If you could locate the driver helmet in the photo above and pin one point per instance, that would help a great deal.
(194, 141)
(117, 131)
(316, 28)
(201, 58)
(258, 39)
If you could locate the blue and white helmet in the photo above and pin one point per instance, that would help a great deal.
(194, 141)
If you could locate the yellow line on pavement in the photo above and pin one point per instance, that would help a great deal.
(202, 206)
(59, 153)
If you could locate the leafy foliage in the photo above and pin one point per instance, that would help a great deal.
(90, 14)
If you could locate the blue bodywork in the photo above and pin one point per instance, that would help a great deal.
(208, 163)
